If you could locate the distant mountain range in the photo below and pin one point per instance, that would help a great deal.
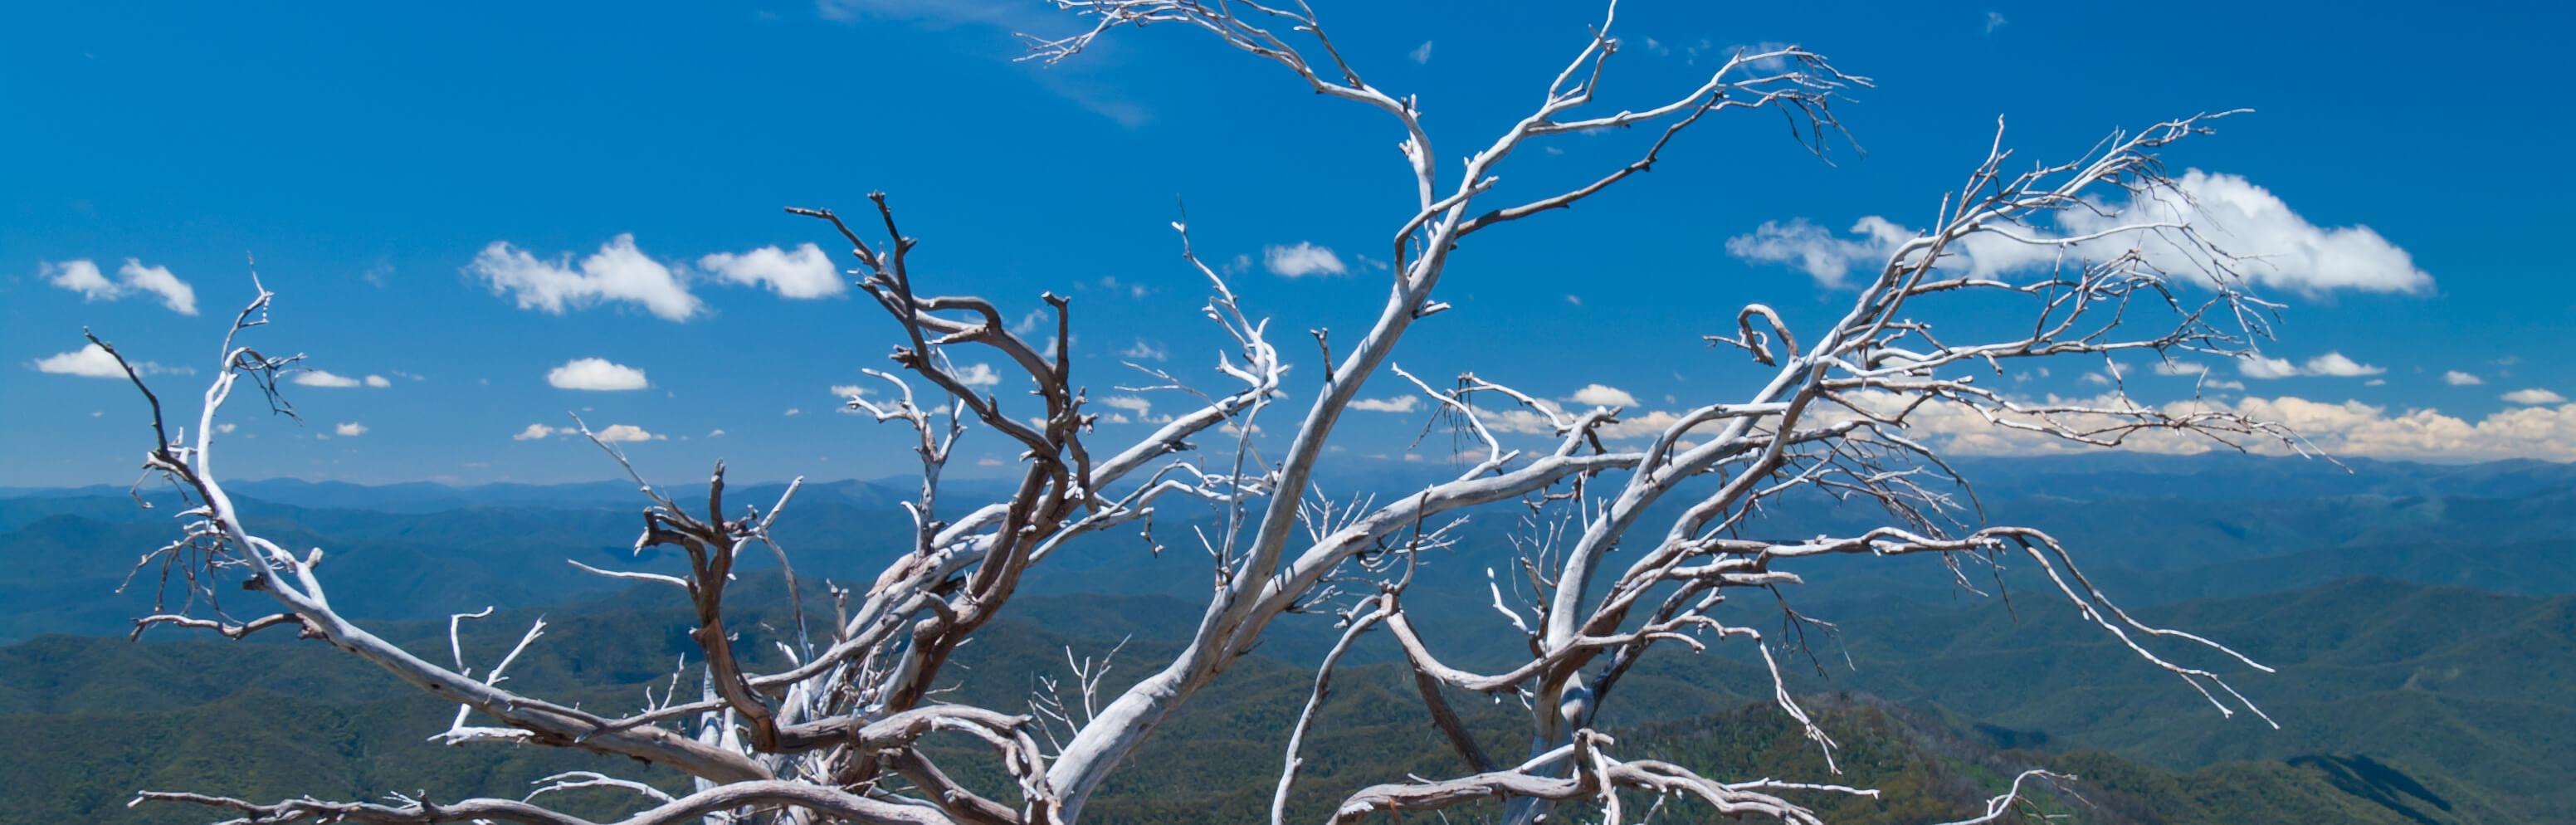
(2421, 617)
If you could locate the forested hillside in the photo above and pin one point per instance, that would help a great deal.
(2419, 622)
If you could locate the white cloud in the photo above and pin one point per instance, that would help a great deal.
(1143, 350)
(80, 276)
(1817, 252)
(715, 433)
(1130, 403)
(2223, 384)
(804, 273)
(378, 382)
(2275, 246)
(93, 361)
(626, 432)
(1640, 426)
(1302, 260)
(2332, 365)
(848, 390)
(794, 411)
(988, 462)
(349, 429)
(2256, 366)
(1398, 404)
(226, 428)
(2350, 428)
(978, 375)
(1229, 428)
(1576, 300)
(175, 293)
(1422, 53)
(595, 374)
(2457, 378)
(83, 277)
(320, 378)
(1029, 323)
(534, 432)
(2181, 368)
(1995, 20)
(2335, 364)
(2534, 395)
(1598, 395)
(618, 272)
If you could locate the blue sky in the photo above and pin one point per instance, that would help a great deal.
(372, 157)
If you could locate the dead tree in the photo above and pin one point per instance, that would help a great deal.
(835, 736)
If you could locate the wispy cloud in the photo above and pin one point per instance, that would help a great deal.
(349, 429)
(2457, 378)
(1144, 350)
(83, 276)
(2534, 395)
(1398, 404)
(1422, 53)
(321, 378)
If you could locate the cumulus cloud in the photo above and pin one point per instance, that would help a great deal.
(2534, 395)
(537, 431)
(804, 273)
(1130, 403)
(626, 432)
(349, 429)
(1597, 395)
(93, 361)
(2349, 428)
(979, 375)
(2457, 378)
(595, 374)
(2277, 247)
(617, 272)
(322, 378)
(83, 277)
(2256, 366)
(1817, 252)
(2335, 364)
(378, 381)
(1398, 404)
(2331, 364)
(1302, 260)
(848, 390)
